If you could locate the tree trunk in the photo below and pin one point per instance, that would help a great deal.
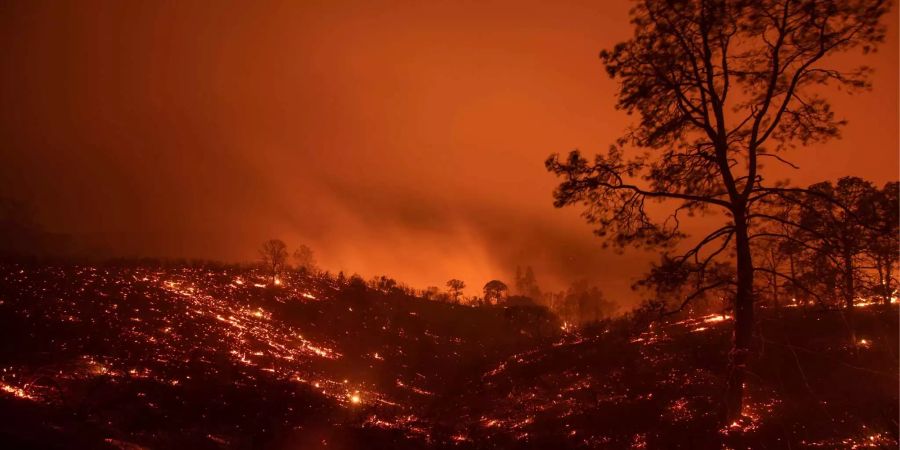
(849, 287)
(850, 292)
(793, 281)
(888, 293)
(775, 303)
(884, 277)
(743, 323)
(774, 266)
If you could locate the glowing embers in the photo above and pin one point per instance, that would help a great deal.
(752, 415)
(867, 302)
(696, 322)
(650, 337)
(15, 391)
(176, 327)
(865, 439)
(176, 320)
(419, 391)
(660, 332)
(714, 318)
(254, 328)
(516, 426)
(409, 424)
(507, 424)
(460, 438)
(323, 352)
(679, 410)
(337, 390)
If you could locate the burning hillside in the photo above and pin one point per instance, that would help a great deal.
(134, 357)
(152, 357)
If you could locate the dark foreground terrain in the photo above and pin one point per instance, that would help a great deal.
(211, 358)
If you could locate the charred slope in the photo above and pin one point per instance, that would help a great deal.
(214, 358)
(616, 385)
(130, 357)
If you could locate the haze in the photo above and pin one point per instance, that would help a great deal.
(404, 138)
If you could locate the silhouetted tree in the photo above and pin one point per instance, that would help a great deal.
(884, 240)
(718, 85)
(383, 283)
(431, 293)
(305, 258)
(355, 289)
(836, 231)
(455, 288)
(770, 256)
(495, 292)
(827, 233)
(805, 271)
(837, 220)
(583, 302)
(274, 256)
(793, 251)
(690, 284)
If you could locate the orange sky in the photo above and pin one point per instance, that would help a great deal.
(405, 138)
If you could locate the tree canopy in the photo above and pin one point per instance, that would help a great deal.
(717, 87)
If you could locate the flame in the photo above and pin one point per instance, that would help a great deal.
(15, 391)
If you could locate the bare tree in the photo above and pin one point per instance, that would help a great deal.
(584, 302)
(772, 259)
(455, 288)
(883, 243)
(431, 293)
(836, 221)
(718, 86)
(273, 254)
(835, 236)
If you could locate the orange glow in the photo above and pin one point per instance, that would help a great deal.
(334, 224)
(15, 391)
(444, 158)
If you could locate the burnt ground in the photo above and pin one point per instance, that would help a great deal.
(203, 357)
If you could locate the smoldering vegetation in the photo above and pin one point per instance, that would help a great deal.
(149, 356)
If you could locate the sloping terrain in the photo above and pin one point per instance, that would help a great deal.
(617, 385)
(134, 357)
(214, 358)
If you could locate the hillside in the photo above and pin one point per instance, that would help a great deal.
(136, 357)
